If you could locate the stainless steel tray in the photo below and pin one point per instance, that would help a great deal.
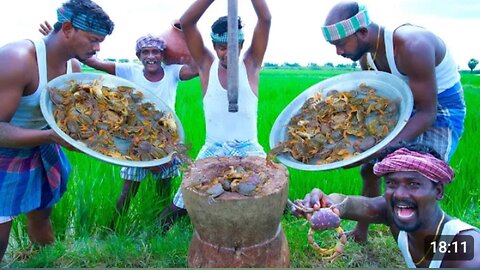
(47, 107)
(387, 85)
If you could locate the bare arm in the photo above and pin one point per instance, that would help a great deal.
(16, 137)
(200, 54)
(359, 208)
(254, 55)
(416, 59)
(188, 72)
(16, 77)
(98, 64)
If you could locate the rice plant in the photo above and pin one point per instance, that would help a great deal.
(82, 220)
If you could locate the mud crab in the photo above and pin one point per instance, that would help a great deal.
(326, 218)
(146, 151)
(232, 179)
(95, 114)
(356, 120)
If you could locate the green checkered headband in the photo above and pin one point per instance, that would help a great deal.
(346, 27)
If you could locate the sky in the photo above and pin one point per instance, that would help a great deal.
(295, 35)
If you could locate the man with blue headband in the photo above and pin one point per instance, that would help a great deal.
(158, 77)
(33, 169)
(418, 57)
(227, 133)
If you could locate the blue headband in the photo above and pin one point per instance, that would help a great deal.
(83, 22)
(223, 38)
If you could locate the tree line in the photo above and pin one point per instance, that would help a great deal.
(312, 66)
(472, 64)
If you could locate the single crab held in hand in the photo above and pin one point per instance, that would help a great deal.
(323, 219)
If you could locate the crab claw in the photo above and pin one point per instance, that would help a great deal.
(169, 122)
(214, 191)
(97, 88)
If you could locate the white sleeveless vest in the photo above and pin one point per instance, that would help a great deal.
(222, 125)
(446, 72)
(453, 227)
(28, 114)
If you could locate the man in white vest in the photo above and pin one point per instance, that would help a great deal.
(227, 133)
(423, 61)
(33, 168)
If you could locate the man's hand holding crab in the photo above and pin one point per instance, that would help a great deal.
(322, 213)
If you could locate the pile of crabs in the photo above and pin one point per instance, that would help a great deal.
(232, 179)
(338, 126)
(99, 116)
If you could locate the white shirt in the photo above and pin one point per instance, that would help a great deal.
(165, 89)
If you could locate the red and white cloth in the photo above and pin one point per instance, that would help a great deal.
(426, 164)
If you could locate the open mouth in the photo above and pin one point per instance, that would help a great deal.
(404, 212)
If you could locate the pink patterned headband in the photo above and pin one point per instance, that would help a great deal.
(345, 28)
(150, 41)
(405, 160)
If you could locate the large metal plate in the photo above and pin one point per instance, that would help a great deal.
(110, 81)
(387, 85)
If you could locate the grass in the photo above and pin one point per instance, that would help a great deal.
(81, 219)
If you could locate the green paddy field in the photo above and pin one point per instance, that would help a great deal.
(82, 218)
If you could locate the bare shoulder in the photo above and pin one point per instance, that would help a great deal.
(409, 32)
(17, 56)
(417, 50)
(21, 48)
(415, 39)
(17, 75)
(18, 63)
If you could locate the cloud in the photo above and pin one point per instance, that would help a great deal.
(295, 33)
(451, 9)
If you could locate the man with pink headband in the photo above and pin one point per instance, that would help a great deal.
(414, 176)
(418, 57)
(162, 79)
